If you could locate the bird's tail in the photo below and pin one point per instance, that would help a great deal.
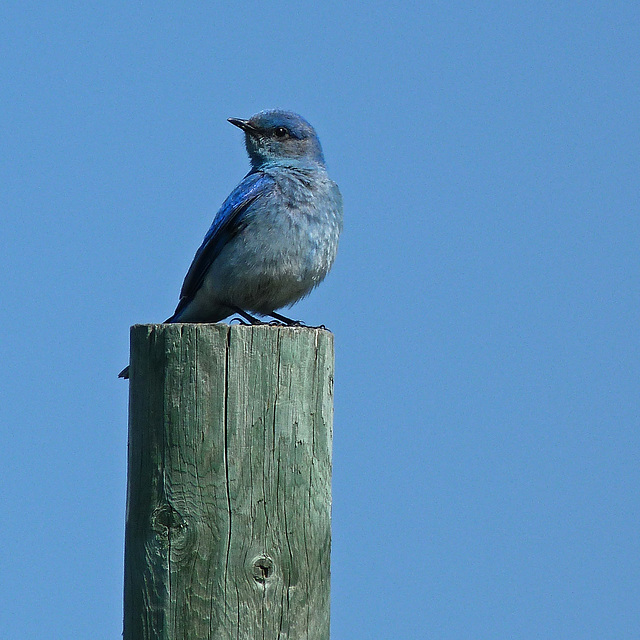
(174, 318)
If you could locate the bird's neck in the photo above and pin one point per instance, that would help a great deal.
(303, 165)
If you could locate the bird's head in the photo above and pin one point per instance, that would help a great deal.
(276, 136)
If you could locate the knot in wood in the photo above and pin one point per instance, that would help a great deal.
(262, 568)
(167, 520)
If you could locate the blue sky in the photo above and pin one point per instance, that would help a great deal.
(484, 300)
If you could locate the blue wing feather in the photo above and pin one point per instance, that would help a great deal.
(227, 223)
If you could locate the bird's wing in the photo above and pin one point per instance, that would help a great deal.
(228, 222)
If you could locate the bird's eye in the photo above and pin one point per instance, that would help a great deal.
(281, 132)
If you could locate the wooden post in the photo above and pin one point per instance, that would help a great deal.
(228, 529)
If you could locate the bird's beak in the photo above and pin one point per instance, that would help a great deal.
(243, 124)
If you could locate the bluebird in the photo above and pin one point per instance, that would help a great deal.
(275, 237)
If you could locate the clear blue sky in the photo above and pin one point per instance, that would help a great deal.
(485, 300)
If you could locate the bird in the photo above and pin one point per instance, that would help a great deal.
(275, 237)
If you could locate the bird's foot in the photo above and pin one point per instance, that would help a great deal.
(280, 320)
(247, 316)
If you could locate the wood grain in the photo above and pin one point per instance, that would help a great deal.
(228, 527)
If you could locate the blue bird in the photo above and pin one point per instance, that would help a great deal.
(275, 237)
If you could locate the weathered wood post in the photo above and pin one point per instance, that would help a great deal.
(228, 527)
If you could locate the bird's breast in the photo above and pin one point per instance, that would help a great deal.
(286, 246)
